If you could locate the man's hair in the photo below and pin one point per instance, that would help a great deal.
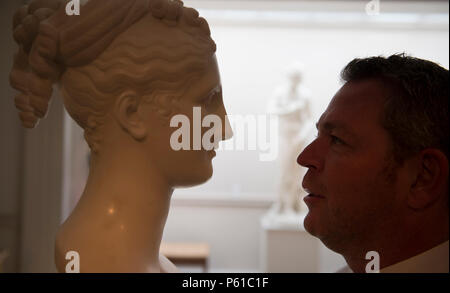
(416, 107)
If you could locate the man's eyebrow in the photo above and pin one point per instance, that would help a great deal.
(329, 126)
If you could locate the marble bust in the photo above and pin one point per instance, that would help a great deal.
(123, 69)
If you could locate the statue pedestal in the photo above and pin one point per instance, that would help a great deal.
(286, 246)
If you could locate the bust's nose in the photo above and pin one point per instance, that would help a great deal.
(227, 131)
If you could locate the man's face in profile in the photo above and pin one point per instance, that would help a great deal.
(351, 174)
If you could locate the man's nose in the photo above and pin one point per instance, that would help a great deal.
(309, 157)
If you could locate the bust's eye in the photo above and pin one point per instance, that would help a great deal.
(213, 98)
(209, 99)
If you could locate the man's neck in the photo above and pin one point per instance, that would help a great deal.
(397, 246)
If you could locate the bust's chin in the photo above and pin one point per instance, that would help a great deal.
(194, 179)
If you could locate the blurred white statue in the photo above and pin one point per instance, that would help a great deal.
(291, 102)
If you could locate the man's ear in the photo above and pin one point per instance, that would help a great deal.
(127, 115)
(431, 180)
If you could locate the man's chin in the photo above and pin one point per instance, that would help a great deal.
(311, 224)
(319, 230)
(307, 223)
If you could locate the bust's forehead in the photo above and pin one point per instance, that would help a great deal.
(208, 81)
(153, 31)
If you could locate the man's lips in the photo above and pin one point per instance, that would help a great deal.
(315, 195)
(311, 193)
(313, 198)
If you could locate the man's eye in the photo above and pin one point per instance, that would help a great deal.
(336, 140)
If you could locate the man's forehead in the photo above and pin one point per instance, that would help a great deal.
(369, 91)
(353, 104)
(333, 121)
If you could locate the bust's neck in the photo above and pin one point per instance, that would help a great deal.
(118, 223)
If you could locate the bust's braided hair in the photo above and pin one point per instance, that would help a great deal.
(50, 42)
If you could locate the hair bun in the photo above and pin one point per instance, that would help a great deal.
(27, 19)
(169, 10)
(34, 70)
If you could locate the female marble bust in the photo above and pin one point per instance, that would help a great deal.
(123, 68)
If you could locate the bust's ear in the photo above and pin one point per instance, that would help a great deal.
(127, 115)
(431, 179)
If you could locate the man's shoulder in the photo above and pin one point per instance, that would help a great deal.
(434, 260)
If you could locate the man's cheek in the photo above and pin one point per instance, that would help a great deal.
(347, 197)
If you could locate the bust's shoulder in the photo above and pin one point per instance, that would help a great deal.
(166, 265)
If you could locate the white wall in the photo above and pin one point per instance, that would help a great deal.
(231, 231)
(252, 59)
